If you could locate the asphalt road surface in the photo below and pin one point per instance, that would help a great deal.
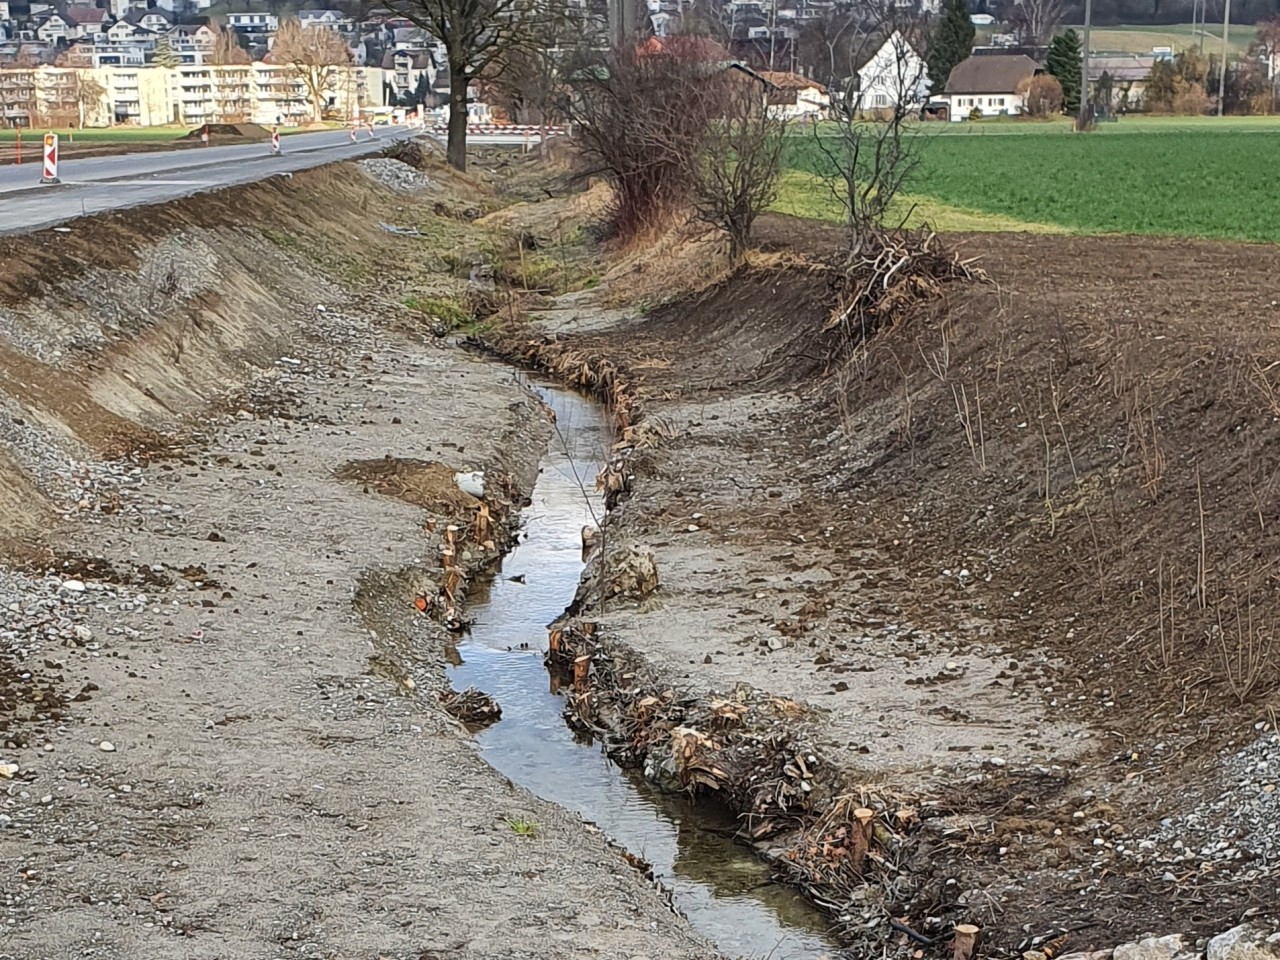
(95, 184)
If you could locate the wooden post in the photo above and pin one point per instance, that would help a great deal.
(581, 669)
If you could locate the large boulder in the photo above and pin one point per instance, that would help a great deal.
(1245, 942)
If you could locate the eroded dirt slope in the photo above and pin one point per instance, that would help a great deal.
(1019, 553)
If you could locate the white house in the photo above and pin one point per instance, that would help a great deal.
(988, 83)
(4, 11)
(894, 76)
(330, 19)
(156, 21)
(253, 23)
(53, 29)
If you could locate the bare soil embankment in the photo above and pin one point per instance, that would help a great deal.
(220, 726)
(1013, 567)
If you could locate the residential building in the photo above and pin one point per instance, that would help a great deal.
(156, 21)
(894, 76)
(329, 19)
(254, 26)
(173, 6)
(1125, 75)
(791, 96)
(189, 94)
(988, 84)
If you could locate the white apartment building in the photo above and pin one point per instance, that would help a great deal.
(190, 95)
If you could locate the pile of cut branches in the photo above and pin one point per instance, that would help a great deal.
(888, 274)
(471, 706)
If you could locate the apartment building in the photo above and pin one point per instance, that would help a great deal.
(189, 94)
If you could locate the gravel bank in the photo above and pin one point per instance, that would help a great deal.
(207, 750)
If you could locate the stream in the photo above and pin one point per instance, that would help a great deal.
(719, 885)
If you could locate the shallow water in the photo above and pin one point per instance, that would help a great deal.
(720, 886)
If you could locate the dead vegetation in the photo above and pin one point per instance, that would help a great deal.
(422, 483)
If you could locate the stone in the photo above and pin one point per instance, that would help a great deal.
(1151, 948)
(1245, 942)
(106, 746)
(73, 586)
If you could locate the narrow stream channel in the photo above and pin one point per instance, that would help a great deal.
(719, 885)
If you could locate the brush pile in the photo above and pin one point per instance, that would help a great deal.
(890, 273)
(471, 706)
(749, 752)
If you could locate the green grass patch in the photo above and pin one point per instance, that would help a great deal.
(449, 312)
(1197, 178)
(803, 194)
(1143, 37)
(522, 828)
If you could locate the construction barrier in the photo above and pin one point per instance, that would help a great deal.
(50, 173)
(275, 140)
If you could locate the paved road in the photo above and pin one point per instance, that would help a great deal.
(94, 184)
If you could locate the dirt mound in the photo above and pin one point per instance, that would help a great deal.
(240, 131)
(419, 482)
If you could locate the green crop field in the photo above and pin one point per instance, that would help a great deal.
(1141, 38)
(1188, 178)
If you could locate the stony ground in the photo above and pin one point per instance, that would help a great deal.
(210, 749)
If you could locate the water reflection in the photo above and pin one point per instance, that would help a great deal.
(717, 884)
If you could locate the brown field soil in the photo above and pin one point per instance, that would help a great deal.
(1019, 552)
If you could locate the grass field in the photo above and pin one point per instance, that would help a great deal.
(1141, 38)
(1188, 180)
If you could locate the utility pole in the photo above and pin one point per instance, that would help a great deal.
(1222, 67)
(1082, 119)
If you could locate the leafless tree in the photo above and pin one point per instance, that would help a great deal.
(735, 173)
(226, 48)
(527, 78)
(317, 56)
(90, 97)
(642, 116)
(826, 42)
(1034, 21)
(870, 147)
(477, 35)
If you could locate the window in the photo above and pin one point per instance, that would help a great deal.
(1000, 102)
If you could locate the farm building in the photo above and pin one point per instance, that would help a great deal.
(989, 85)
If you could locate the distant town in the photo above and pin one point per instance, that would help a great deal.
(150, 63)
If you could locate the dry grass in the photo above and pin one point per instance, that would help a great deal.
(422, 483)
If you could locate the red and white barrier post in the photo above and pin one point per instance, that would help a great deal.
(50, 173)
(369, 126)
(204, 135)
(275, 140)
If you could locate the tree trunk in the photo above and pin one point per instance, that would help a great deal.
(457, 147)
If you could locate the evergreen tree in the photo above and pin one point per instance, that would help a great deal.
(952, 42)
(422, 92)
(1064, 61)
(165, 55)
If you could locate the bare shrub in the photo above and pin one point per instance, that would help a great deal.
(735, 173)
(1042, 96)
(643, 114)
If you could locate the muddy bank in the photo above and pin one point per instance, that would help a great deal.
(241, 751)
(864, 543)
